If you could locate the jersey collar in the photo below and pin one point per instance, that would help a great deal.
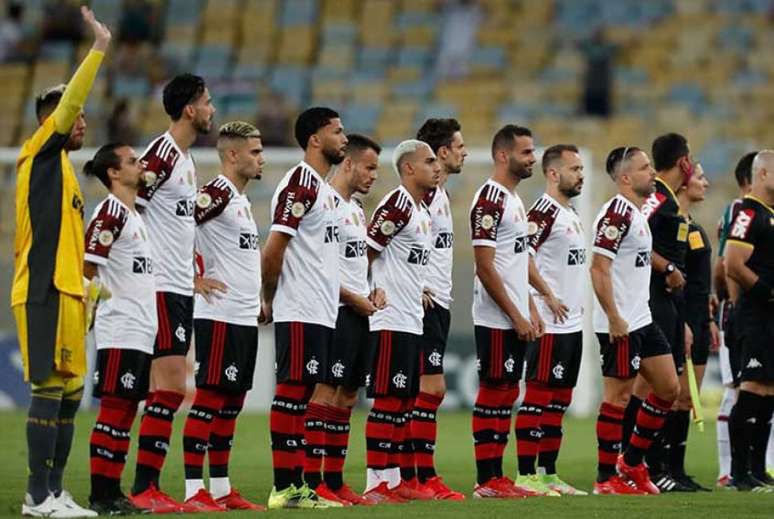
(764, 204)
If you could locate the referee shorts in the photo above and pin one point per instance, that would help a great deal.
(52, 336)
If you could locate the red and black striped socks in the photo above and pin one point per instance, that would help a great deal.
(155, 431)
(424, 428)
(609, 430)
(315, 421)
(222, 434)
(551, 425)
(650, 420)
(336, 442)
(491, 427)
(286, 423)
(108, 446)
(528, 430)
(385, 413)
(402, 444)
(196, 432)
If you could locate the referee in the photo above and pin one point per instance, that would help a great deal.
(47, 296)
(750, 263)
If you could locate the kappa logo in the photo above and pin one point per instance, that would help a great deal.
(368, 380)
(576, 257)
(754, 363)
(435, 358)
(478, 364)
(231, 372)
(509, 364)
(636, 362)
(338, 369)
(399, 380)
(312, 366)
(180, 333)
(95, 378)
(558, 371)
(127, 380)
(197, 364)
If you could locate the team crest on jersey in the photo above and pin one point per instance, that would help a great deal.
(150, 178)
(611, 232)
(532, 228)
(203, 200)
(558, 371)
(487, 222)
(312, 366)
(435, 358)
(180, 333)
(127, 380)
(636, 362)
(338, 369)
(387, 227)
(297, 209)
(399, 380)
(231, 372)
(105, 238)
(509, 364)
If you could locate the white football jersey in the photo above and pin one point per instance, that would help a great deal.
(353, 260)
(308, 287)
(227, 250)
(118, 243)
(558, 244)
(623, 235)
(400, 231)
(439, 268)
(168, 211)
(498, 220)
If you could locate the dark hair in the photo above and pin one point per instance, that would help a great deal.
(616, 157)
(311, 120)
(359, 143)
(105, 158)
(438, 132)
(743, 171)
(667, 149)
(181, 91)
(505, 136)
(46, 101)
(554, 153)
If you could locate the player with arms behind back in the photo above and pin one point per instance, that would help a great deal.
(225, 325)
(118, 253)
(557, 244)
(629, 341)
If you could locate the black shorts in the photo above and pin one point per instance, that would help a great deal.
(555, 359)
(122, 373)
(175, 313)
(394, 364)
(702, 339)
(731, 338)
(302, 352)
(434, 336)
(756, 338)
(621, 359)
(225, 355)
(350, 350)
(499, 355)
(668, 314)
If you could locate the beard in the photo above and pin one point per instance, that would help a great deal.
(202, 126)
(334, 157)
(571, 191)
(518, 169)
(73, 143)
(645, 191)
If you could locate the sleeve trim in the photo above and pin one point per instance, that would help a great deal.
(373, 244)
(284, 229)
(485, 243)
(741, 243)
(604, 252)
(97, 260)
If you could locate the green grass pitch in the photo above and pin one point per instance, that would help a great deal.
(251, 473)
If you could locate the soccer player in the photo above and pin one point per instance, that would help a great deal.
(118, 254)
(629, 340)
(749, 260)
(350, 349)
(504, 315)
(669, 227)
(445, 139)
(557, 245)
(47, 293)
(226, 325)
(167, 205)
(727, 292)
(399, 243)
(300, 292)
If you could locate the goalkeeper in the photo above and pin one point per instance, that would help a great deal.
(47, 293)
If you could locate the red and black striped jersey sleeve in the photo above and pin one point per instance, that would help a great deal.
(211, 200)
(160, 160)
(612, 228)
(388, 220)
(104, 229)
(295, 200)
(541, 218)
(485, 216)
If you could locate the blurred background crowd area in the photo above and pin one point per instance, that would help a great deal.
(598, 73)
